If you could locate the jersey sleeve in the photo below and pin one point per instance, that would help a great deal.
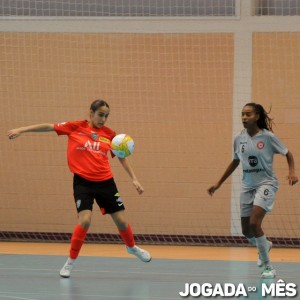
(278, 145)
(235, 149)
(112, 135)
(65, 128)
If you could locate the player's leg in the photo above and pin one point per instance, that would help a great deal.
(263, 203)
(247, 230)
(248, 233)
(246, 202)
(83, 196)
(80, 231)
(110, 202)
(263, 245)
(127, 236)
(246, 206)
(77, 240)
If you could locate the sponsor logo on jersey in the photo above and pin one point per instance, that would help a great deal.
(254, 170)
(93, 146)
(81, 133)
(105, 140)
(253, 161)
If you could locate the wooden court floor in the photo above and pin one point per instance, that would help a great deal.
(157, 251)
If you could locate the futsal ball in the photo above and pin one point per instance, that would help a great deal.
(122, 145)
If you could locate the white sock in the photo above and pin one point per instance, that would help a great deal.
(252, 240)
(71, 260)
(263, 248)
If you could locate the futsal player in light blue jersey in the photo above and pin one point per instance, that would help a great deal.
(255, 147)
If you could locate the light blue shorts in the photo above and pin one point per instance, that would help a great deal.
(264, 196)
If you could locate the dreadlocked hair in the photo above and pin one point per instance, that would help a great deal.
(264, 121)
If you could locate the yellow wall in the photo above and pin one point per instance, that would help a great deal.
(276, 74)
(172, 93)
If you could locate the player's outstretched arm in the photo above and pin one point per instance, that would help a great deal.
(126, 165)
(230, 169)
(14, 133)
(292, 177)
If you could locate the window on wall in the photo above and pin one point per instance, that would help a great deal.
(277, 8)
(118, 8)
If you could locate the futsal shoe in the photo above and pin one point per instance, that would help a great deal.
(259, 261)
(65, 272)
(268, 272)
(143, 255)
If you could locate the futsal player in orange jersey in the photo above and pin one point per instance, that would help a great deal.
(88, 148)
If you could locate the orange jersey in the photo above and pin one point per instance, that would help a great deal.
(88, 149)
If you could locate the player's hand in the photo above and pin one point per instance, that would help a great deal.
(138, 187)
(292, 178)
(212, 189)
(13, 133)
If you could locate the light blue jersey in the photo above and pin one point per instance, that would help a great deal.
(256, 156)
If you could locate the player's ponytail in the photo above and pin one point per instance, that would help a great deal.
(264, 121)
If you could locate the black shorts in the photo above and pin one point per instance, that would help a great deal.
(104, 192)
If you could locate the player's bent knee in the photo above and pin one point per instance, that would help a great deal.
(85, 224)
(256, 228)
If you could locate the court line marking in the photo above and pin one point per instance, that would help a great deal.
(13, 297)
(289, 273)
(98, 295)
(118, 272)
